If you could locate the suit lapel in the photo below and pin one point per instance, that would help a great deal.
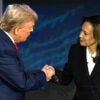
(96, 69)
(85, 66)
(84, 62)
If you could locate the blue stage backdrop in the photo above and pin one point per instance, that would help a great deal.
(56, 30)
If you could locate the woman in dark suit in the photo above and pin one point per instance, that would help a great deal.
(83, 64)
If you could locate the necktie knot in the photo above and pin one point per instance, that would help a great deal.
(16, 46)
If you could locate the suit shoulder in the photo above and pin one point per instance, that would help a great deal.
(76, 48)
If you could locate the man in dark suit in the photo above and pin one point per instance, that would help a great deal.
(15, 26)
(83, 64)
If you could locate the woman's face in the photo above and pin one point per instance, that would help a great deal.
(86, 35)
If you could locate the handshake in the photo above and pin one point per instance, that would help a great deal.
(49, 72)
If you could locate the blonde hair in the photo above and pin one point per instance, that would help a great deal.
(17, 14)
(97, 31)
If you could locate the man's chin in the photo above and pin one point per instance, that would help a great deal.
(23, 40)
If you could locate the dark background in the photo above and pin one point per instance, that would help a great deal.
(57, 29)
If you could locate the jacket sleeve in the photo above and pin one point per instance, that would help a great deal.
(13, 75)
(67, 74)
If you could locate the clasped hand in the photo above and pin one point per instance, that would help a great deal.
(49, 72)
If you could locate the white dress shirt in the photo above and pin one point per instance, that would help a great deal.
(90, 62)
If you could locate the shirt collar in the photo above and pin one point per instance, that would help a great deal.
(9, 36)
(93, 55)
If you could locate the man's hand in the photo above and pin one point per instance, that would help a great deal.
(49, 71)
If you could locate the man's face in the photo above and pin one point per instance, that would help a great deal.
(24, 32)
(86, 35)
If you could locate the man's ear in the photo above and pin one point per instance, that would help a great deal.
(16, 30)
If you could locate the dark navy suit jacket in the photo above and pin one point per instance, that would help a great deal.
(14, 81)
(87, 86)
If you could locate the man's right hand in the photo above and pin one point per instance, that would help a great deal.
(49, 72)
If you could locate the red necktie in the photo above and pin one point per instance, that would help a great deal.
(16, 46)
